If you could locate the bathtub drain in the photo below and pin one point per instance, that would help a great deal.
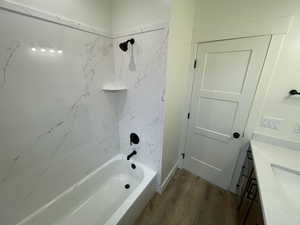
(127, 186)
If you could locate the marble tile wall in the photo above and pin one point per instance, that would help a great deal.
(56, 123)
(141, 108)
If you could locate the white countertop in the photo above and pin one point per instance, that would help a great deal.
(277, 207)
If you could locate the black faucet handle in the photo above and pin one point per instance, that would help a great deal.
(134, 152)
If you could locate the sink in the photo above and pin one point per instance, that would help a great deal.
(289, 180)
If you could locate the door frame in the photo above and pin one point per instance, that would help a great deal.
(255, 113)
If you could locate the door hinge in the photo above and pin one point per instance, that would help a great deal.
(195, 63)
(188, 116)
(183, 155)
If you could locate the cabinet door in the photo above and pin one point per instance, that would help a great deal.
(255, 216)
(250, 211)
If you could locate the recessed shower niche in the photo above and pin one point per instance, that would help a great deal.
(114, 87)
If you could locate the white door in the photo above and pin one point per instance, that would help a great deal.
(225, 82)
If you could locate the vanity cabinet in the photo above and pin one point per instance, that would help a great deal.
(249, 207)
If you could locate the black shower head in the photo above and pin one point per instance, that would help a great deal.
(124, 45)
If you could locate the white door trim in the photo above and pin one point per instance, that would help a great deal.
(263, 87)
(242, 60)
(257, 104)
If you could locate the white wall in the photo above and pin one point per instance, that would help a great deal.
(117, 16)
(179, 56)
(95, 13)
(286, 77)
(131, 15)
(213, 17)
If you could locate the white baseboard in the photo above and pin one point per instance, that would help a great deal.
(169, 177)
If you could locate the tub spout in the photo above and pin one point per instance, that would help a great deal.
(131, 154)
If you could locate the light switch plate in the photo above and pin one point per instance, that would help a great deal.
(271, 123)
(297, 128)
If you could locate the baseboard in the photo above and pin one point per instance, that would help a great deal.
(169, 177)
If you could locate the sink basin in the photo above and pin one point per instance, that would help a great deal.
(289, 180)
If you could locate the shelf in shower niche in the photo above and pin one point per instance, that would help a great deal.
(114, 87)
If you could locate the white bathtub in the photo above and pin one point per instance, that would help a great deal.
(101, 197)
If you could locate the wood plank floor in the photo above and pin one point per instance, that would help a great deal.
(189, 200)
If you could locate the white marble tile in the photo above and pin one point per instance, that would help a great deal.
(142, 70)
(56, 124)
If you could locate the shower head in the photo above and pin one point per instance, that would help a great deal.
(124, 45)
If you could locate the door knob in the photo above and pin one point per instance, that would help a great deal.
(236, 135)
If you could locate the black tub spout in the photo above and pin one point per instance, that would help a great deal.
(131, 154)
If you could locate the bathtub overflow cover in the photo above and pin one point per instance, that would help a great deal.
(127, 186)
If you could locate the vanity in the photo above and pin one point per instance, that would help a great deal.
(270, 183)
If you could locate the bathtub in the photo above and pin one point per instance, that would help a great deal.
(114, 194)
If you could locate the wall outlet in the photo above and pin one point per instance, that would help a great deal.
(297, 128)
(271, 123)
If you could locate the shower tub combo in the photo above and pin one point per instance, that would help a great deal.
(114, 194)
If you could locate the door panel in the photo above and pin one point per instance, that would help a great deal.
(224, 86)
(212, 117)
(223, 66)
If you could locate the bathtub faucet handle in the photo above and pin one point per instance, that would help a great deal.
(134, 152)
